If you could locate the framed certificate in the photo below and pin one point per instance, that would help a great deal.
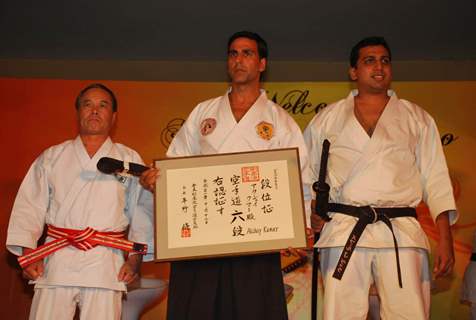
(228, 204)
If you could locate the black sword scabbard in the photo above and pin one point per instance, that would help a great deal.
(322, 206)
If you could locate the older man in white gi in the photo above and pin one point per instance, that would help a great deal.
(385, 157)
(87, 214)
(243, 119)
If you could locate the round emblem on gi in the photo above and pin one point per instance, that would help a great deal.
(207, 126)
(265, 130)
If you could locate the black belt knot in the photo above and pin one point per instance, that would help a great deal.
(367, 215)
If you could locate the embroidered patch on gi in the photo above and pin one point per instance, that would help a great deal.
(265, 130)
(207, 126)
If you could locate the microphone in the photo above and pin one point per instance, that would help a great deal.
(110, 166)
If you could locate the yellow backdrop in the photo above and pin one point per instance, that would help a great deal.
(37, 113)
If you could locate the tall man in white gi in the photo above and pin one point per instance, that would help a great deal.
(243, 119)
(385, 157)
(87, 214)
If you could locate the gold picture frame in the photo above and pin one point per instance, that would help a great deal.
(228, 204)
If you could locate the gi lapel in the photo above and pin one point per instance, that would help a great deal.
(225, 122)
(342, 121)
(232, 136)
(228, 124)
(87, 174)
(341, 130)
(377, 142)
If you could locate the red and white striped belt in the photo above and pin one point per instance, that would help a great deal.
(82, 239)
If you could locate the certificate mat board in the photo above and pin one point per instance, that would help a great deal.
(228, 204)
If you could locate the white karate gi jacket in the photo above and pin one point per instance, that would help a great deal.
(64, 188)
(231, 136)
(400, 165)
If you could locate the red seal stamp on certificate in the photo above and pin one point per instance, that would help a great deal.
(250, 174)
(186, 231)
(207, 126)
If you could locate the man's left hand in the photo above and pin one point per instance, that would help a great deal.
(129, 271)
(444, 259)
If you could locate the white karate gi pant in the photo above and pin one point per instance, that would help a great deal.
(60, 303)
(348, 298)
(468, 287)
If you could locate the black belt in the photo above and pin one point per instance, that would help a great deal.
(367, 215)
(473, 256)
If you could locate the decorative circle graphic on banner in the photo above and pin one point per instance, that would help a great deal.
(169, 132)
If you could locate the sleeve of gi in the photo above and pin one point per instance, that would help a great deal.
(186, 142)
(435, 179)
(29, 210)
(142, 223)
(295, 138)
(314, 146)
(140, 211)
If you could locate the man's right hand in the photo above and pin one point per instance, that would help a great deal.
(148, 179)
(316, 221)
(34, 270)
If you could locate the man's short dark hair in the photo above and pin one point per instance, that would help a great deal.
(367, 42)
(96, 86)
(260, 43)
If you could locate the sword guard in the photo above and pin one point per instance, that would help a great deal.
(322, 199)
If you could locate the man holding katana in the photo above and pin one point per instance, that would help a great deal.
(385, 157)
